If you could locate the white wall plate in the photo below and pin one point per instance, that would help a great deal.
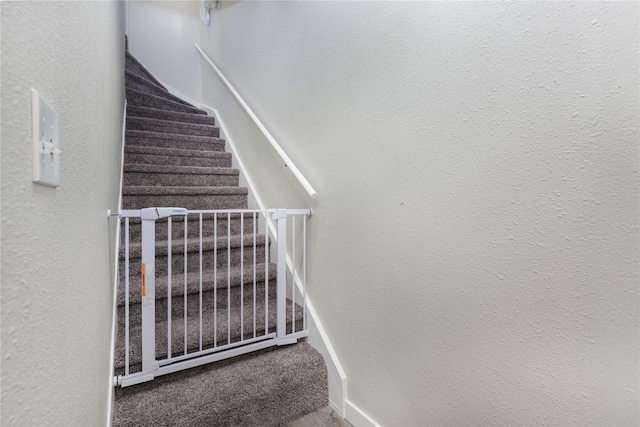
(46, 142)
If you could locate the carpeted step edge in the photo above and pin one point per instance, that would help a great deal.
(136, 97)
(173, 137)
(163, 151)
(193, 330)
(223, 280)
(170, 191)
(179, 170)
(175, 116)
(193, 244)
(138, 82)
(171, 127)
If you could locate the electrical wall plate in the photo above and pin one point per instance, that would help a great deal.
(46, 142)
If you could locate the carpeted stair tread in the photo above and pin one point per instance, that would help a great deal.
(136, 97)
(154, 155)
(157, 190)
(189, 200)
(176, 152)
(138, 82)
(232, 324)
(174, 116)
(133, 65)
(171, 127)
(141, 175)
(224, 224)
(194, 170)
(225, 253)
(224, 278)
(193, 244)
(225, 299)
(242, 391)
(166, 140)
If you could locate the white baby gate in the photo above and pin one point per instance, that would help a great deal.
(273, 237)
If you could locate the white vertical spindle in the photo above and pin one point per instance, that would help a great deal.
(293, 273)
(254, 274)
(169, 251)
(215, 279)
(200, 326)
(241, 276)
(266, 273)
(229, 277)
(126, 296)
(281, 273)
(304, 272)
(185, 285)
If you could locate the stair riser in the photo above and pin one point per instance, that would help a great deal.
(144, 85)
(146, 100)
(193, 331)
(153, 159)
(174, 128)
(179, 180)
(221, 298)
(213, 145)
(194, 284)
(133, 111)
(193, 261)
(198, 201)
(193, 227)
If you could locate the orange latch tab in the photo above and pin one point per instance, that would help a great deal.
(144, 287)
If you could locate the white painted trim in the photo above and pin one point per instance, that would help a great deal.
(265, 132)
(317, 335)
(357, 417)
(319, 340)
(116, 267)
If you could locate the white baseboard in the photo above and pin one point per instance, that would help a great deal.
(319, 340)
(357, 417)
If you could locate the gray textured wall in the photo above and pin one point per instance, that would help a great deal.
(474, 246)
(57, 247)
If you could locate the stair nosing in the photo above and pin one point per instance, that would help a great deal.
(177, 152)
(152, 120)
(131, 190)
(178, 170)
(144, 94)
(173, 136)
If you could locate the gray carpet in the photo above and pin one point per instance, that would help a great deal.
(267, 388)
(175, 157)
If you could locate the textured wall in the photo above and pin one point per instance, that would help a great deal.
(474, 248)
(162, 35)
(57, 295)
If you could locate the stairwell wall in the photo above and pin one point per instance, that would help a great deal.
(57, 243)
(161, 36)
(474, 246)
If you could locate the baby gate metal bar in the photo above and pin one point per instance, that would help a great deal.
(288, 255)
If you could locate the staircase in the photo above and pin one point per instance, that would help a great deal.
(174, 157)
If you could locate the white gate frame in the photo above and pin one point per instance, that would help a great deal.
(151, 367)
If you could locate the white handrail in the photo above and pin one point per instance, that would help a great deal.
(287, 161)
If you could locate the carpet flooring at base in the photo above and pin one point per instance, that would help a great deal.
(266, 388)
